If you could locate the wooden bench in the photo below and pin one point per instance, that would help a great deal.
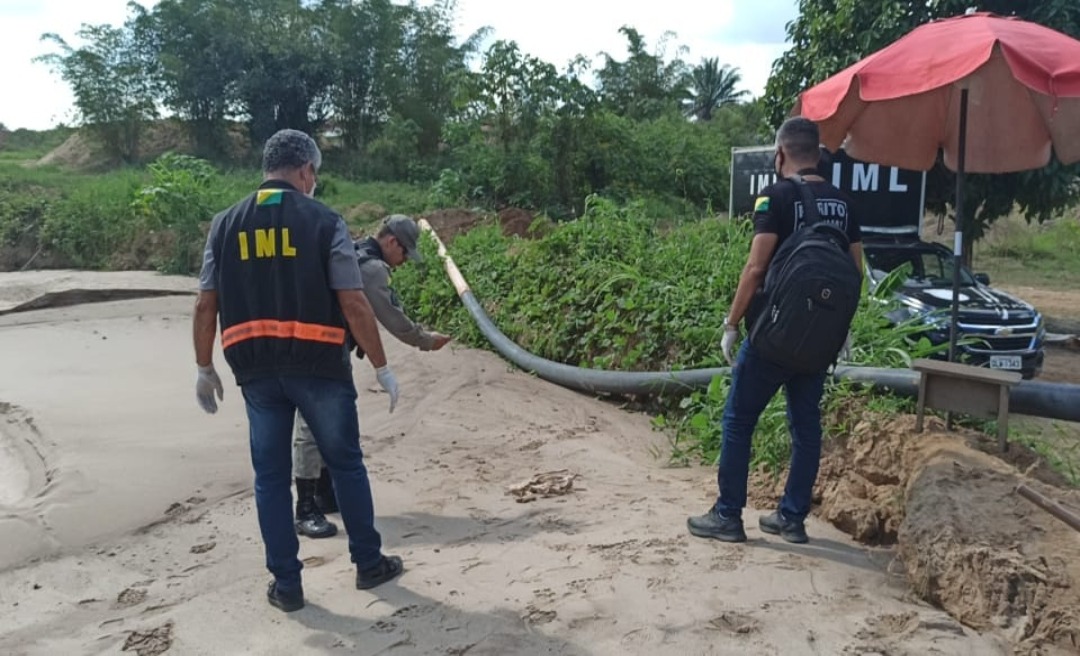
(976, 391)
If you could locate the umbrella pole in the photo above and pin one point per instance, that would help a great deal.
(958, 245)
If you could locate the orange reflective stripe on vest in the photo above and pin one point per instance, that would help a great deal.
(311, 332)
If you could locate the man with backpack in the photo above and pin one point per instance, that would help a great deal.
(393, 244)
(797, 293)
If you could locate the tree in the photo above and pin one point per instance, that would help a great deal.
(512, 94)
(115, 79)
(287, 70)
(644, 86)
(711, 86)
(567, 141)
(743, 122)
(365, 40)
(515, 90)
(434, 70)
(830, 35)
(201, 58)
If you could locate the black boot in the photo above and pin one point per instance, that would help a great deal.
(309, 519)
(324, 493)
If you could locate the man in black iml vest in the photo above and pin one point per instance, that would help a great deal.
(782, 209)
(394, 243)
(280, 271)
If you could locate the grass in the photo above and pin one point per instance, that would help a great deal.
(22, 146)
(21, 157)
(393, 197)
(1057, 442)
(1014, 252)
(104, 221)
(1046, 256)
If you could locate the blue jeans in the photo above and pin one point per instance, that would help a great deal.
(329, 406)
(754, 382)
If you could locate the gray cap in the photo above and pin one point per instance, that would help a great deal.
(407, 232)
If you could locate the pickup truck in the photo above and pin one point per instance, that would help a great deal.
(994, 329)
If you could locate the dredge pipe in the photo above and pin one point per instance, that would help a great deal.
(1050, 400)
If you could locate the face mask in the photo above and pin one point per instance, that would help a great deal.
(311, 194)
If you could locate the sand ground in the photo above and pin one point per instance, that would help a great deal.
(128, 523)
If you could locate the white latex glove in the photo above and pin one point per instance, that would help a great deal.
(845, 350)
(727, 344)
(205, 386)
(389, 383)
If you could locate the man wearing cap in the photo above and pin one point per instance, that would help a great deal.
(395, 242)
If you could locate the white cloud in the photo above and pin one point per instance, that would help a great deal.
(745, 34)
(34, 97)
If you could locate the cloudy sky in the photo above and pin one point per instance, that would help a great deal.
(748, 34)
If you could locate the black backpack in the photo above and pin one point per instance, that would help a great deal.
(810, 295)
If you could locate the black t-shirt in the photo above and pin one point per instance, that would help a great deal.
(778, 210)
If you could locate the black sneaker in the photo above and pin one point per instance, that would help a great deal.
(286, 601)
(312, 523)
(388, 568)
(790, 529)
(714, 525)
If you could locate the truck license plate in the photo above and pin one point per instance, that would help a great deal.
(1010, 362)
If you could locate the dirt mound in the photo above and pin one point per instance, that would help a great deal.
(863, 477)
(78, 152)
(81, 152)
(365, 214)
(966, 540)
(860, 486)
(973, 546)
(449, 223)
(516, 221)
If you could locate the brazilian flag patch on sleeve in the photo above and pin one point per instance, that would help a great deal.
(761, 204)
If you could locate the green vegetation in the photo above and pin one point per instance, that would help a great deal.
(617, 289)
(391, 93)
(148, 218)
(29, 145)
(1054, 441)
(1038, 255)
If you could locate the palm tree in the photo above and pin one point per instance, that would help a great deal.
(709, 87)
